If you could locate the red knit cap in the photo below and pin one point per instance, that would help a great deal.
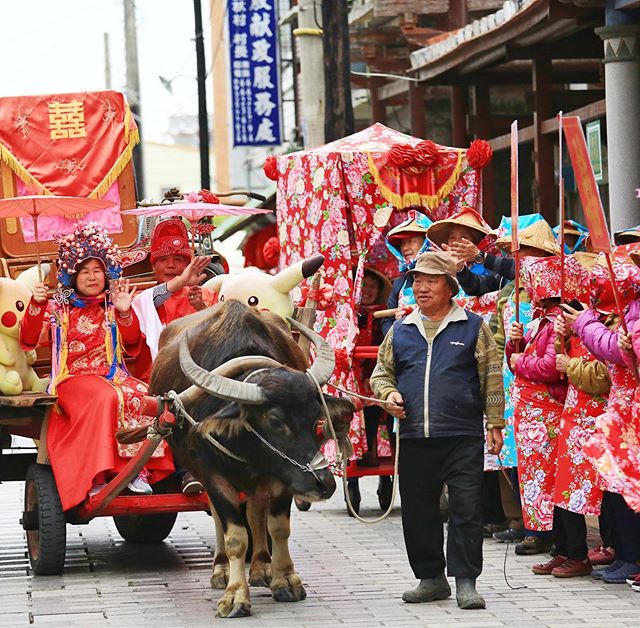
(170, 238)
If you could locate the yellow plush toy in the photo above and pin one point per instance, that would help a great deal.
(16, 374)
(263, 291)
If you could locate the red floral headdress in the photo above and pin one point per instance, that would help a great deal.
(542, 278)
(627, 278)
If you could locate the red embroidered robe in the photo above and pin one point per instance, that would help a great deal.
(81, 431)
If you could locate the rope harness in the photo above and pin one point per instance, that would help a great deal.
(182, 413)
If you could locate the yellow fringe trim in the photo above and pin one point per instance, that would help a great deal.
(132, 137)
(11, 160)
(410, 199)
(116, 170)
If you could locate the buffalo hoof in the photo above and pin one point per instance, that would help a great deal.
(220, 577)
(260, 578)
(288, 589)
(241, 609)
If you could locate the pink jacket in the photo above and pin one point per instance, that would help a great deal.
(598, 338)
(540, 366)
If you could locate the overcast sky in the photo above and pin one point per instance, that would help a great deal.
(56, 46)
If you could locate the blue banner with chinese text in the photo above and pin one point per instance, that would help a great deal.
(255, 85)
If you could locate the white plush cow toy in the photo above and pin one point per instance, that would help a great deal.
(263, 291)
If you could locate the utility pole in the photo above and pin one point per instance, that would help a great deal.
(311, 78)
(133, 87)
(221, 144)
(338, 117)
(203, 120)
(107, 62)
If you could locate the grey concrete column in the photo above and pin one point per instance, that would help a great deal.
(622, 89)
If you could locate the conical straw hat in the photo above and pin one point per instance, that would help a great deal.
(439, 231)
(538, 236)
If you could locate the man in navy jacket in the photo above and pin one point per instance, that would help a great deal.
(439, 372)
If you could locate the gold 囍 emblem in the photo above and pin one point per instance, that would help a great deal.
(66, 120)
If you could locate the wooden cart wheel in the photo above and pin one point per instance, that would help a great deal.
(43, 520)
(302, 504)
(145, 529)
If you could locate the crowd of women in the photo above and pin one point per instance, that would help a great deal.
(570, 349)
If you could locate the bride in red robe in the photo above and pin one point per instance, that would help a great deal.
(90, 328)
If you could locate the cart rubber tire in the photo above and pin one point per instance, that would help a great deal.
(48, 544)
(302, 504)
(353, 489)
(385, 492)
(145, 529)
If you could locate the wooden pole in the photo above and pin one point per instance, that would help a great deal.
(561, 207)
(338, 114)
(34, 216)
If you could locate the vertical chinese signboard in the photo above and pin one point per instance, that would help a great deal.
(255, 85)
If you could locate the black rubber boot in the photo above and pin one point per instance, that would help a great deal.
(429, 590)
(467, 596)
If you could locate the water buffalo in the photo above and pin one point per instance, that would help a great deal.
(242, 377)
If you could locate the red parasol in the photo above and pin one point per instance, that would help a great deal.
(194, 212)
(70, 207)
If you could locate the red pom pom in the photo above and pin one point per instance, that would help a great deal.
(479, 154)
(208, 196)
(426, 153)
(271, 251)
(342, 361)
(271, 168)
(402, 155)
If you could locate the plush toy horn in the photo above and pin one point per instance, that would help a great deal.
(287, 279)
(30, 278)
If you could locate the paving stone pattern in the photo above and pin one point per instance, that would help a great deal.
(354, 575)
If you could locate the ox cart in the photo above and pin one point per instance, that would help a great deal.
(146, 519)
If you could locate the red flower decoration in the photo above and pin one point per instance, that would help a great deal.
(342, 361)
(271, 168)
(479, 154)
(208, 196)
(402, 155)
(426, 153)
(271, 251)
(202, 228)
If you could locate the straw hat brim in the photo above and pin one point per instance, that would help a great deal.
(385, 284)
(538, 236)
(412, 228)
(439, 231)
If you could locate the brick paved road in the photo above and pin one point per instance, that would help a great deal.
(354, 576)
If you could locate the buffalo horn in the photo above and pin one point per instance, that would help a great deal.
(230, 368)
(219, 385)
(325, 362)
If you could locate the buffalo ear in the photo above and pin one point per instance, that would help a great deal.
(340, 409)
(341, 412)
(230, 411)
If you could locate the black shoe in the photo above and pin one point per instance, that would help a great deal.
(510, 535)
(191, 486)
(533, 545)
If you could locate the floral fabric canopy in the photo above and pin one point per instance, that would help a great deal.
(341, 199)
